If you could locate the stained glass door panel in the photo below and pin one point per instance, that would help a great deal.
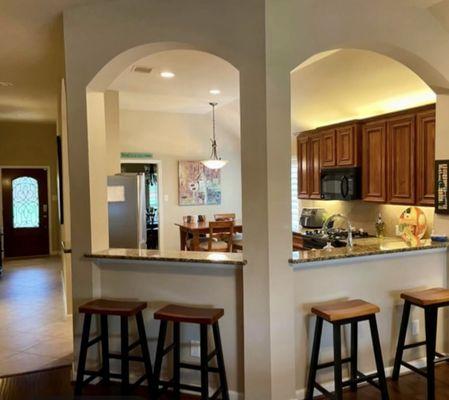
(25, 211)
(25, 202)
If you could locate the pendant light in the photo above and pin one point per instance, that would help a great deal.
(214, 161)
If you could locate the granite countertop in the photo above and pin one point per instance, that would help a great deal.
(363, 247)
(201, 257)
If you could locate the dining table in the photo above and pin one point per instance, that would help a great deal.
(194, 231)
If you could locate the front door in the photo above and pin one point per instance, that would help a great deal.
(25, 212)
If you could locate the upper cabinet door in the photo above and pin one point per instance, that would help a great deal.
(328, 148)
(425, 158)
(374, 162)
(315, 167)
(347, 145)
(401, 159)
(303, 170)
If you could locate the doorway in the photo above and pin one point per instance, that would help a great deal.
(25, 212)
(152, 201)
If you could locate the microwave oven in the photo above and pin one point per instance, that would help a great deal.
(340, 184)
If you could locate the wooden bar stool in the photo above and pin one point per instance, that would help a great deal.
(429, 300)
(124, 310)
(203, 317)
(338, 314)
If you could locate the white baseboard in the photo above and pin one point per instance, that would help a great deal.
(420, 363)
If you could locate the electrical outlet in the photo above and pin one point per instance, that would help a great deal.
(415, 327)
(195, 348)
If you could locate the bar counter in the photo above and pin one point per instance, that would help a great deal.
(366, 247)
(191, 257)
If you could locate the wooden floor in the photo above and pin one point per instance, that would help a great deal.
(55, 384)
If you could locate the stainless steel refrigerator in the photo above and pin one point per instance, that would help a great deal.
(127, 211)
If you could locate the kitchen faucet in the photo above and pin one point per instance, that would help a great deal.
(349, 243)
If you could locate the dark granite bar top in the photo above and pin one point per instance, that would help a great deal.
(195, 257)
(363, 248)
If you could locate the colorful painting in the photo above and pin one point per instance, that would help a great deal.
(198, 185)
(412, 225)
(442, 193)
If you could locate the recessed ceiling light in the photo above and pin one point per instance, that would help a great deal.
(167, 74)
(215, 91)
(6, 84)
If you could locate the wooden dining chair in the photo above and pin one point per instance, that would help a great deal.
(220, 236)
(224, 217)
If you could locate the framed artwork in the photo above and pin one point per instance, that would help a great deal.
(441, 187)
(198, 185)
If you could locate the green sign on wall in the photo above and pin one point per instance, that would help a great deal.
(136, 155)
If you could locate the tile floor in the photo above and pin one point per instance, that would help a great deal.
(34, 332)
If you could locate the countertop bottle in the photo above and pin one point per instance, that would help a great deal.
(380, 227)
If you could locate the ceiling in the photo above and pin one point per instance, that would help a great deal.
(31, 56)
(349, 84)
(195, 72)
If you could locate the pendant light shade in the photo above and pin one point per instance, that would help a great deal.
(214, 162)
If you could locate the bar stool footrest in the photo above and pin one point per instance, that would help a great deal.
(216, 394)
(196, 367)
(414, 369)
(332, 363)
(94, 341)
(116, 356)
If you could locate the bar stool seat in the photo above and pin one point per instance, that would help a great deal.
(348, 309)
(338, 314)
(194, 315)
(112, 307)
(428, 297)
(430, 300)
(123, 309)
(204, 317)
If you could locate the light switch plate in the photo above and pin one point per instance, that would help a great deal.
(195, 350)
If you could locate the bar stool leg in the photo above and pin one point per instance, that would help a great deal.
(176, 360)
(314, 358)
(145, 351)
(125, 354)
(220, 362)
(204, 363)
(431, 314)
(354, 345)
(104, 348)
(159, 353)
(337, 360)
(83, 354)
(378, 357)
(401, 341)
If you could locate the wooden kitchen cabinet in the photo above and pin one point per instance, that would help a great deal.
(347, 145)
(315, 167)
(401, 159)
(303, 166)
(425, 158)
(374, 145)
(328, 153)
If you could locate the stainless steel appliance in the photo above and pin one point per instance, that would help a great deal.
(318, 238)
(312, 218)
(340, 184)
(127, 211)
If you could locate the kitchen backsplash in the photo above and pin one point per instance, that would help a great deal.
(363, 215)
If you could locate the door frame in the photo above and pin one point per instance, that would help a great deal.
(47, 169)
(159, 194)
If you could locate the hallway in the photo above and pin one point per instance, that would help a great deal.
(34, 332)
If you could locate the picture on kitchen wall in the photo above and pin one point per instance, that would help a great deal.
(198, 185)
(441, 180)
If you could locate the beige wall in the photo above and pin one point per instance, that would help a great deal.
(172, 137)
(256, 37)
(379, 280)
(33, 144)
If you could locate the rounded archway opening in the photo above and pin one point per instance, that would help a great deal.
(346, 89)
(150, 107)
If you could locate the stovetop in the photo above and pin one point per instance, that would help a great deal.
(317, 239)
